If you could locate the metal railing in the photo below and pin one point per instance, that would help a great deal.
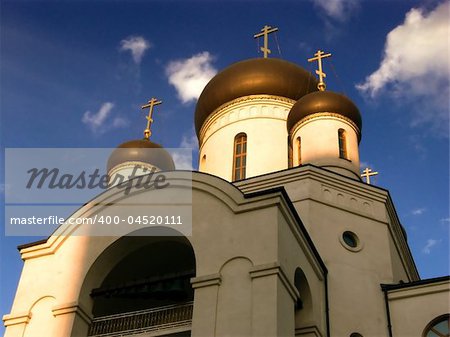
(171, 316)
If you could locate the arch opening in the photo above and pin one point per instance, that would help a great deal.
(145, 286)
(304, 305)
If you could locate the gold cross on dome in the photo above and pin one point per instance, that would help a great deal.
(265, 32)
(318, 57)
(150, 105)
(367, 173)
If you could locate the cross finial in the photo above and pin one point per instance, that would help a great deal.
(319, 56)
(265, 32)
(150, 105)
(367, 173)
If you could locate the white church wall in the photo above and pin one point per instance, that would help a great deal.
(320, 143)
(235, 292)
(237, 244)
(41, 318)
(263, 119)
(329, 205)
(412, 308)
(294, 257)
(398, 271)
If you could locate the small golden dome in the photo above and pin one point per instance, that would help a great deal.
(323, 101)
(141, 150)
(268, 76)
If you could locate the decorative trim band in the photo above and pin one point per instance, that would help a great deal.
(131, 164)
(322, 115)
(275, 269)
(71, 308)
(245, 102)
(206, 281)
(15, 319)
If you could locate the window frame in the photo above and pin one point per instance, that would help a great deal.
(239, 139)
(342, 143)
(434, 322)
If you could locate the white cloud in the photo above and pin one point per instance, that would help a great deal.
(445, 220)
(430, 244)
(101, 121)
(137, 45)
(189, 141)
(415, 64)
(183, 156)
(418, 211)
(339, 10)
(189, 76)
(95, 120)
(119, 122)
(182, 160)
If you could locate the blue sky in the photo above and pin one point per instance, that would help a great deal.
(74, 74)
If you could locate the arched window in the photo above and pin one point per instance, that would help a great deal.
(438, 327)
(304, 305)
(342, 144)
(299, 150)
(203, 162)
(239, 156)
(290, 152)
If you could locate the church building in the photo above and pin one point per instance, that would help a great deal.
(285, 237)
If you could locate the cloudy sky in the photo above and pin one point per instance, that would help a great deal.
(74, 74)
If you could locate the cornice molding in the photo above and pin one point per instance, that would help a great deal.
(242, 106)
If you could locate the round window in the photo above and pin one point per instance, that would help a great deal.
(440, 326)
(355, 334)
(350, 241)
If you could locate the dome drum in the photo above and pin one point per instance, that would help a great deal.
(322, 102)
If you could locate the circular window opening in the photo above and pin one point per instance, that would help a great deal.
(439, 326)
(350, 240)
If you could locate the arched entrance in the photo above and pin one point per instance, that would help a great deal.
(146, 288)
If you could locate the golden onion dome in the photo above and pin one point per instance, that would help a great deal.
(141, 150)
(323, 101)
(258, 76)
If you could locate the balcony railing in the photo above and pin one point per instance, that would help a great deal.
(129, 323)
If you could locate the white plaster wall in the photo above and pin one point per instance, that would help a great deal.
(329, 205)
(320, 144)
(263, 119)
(41, 318)
(413, 308)
(354, 276)
(234, 244)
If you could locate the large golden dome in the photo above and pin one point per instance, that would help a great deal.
(141, 150)
(252, 77)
